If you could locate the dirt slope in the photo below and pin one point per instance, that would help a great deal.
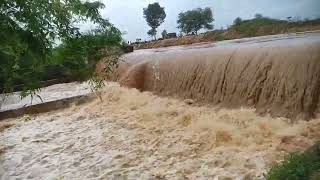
(277, 76)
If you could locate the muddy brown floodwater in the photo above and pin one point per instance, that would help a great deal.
(134, 135)
(277, 74)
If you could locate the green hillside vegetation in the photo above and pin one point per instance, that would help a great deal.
(251, 27)
(267, 26)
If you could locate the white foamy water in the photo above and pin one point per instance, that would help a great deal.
(133, 135)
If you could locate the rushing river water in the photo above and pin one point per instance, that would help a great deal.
(133, 135)
(276, 74)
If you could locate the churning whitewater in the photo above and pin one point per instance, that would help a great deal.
(134, 135)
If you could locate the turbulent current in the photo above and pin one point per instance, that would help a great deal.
(279, 75)
(134, 135)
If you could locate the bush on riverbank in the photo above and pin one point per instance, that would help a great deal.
(29, 36)
(297, 166)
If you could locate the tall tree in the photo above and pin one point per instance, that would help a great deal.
(29, 30)
(194, 20)
(154, 15)
(152, 33)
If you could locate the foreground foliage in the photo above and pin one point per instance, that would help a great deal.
(78, 56)
(29, 31)
(297, 166)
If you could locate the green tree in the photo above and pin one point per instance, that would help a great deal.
(237, 21)
(154, 15)
(29, 30)
(152, 33)
(194, 20)
(78, 56)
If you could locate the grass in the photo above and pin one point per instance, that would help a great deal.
(252, 26)
(297, 166)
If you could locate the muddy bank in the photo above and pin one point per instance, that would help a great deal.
(279, 75)
(133, 135)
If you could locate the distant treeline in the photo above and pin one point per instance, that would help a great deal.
(188, 22)
(257, 26)
(192, 21)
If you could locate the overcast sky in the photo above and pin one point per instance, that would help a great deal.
(127, 15)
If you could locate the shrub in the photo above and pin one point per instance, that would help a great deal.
(30, 30)
(297, 166)
(220, 37)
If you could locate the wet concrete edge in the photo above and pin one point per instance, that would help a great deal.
(47, 106)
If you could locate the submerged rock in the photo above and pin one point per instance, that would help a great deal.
(189, 101)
